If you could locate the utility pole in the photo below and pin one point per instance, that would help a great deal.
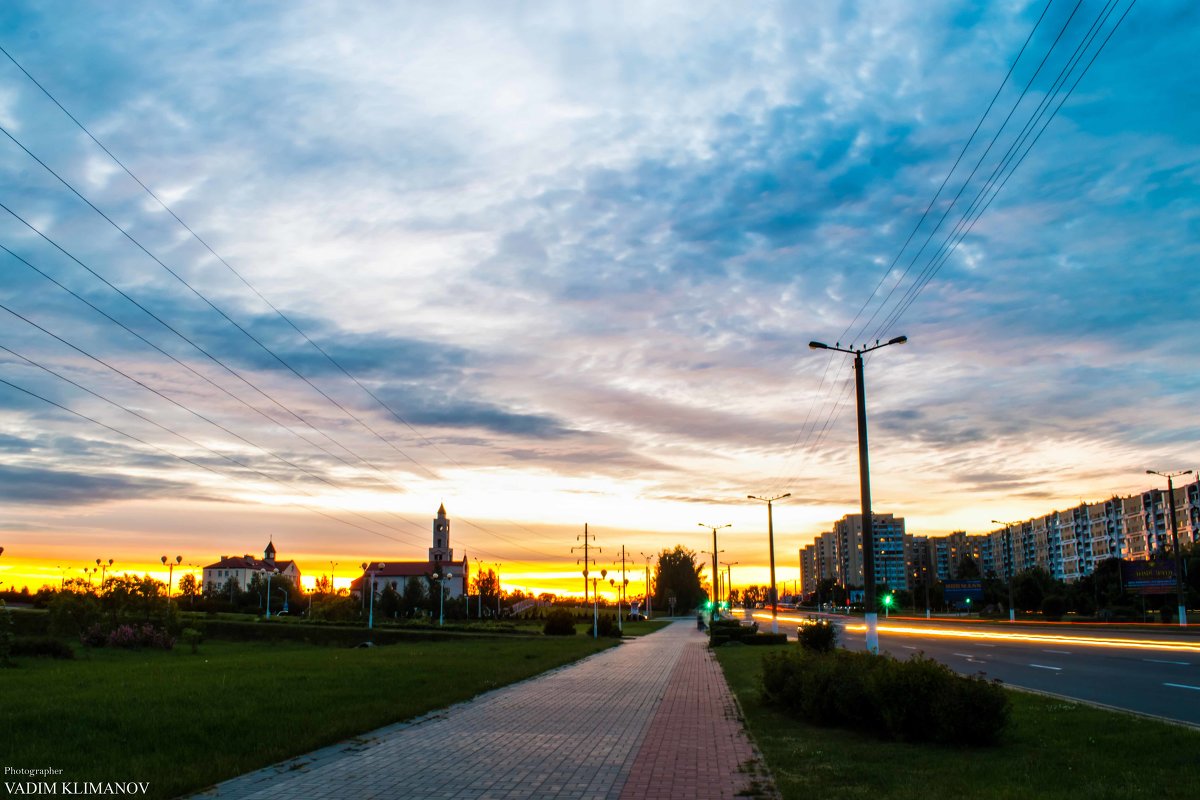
(716, 613)
(587, 559)
(1182, 598)
(864, 483)
(771, 546)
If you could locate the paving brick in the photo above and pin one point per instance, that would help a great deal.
(651, 718)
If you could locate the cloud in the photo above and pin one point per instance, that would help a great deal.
(33, 486)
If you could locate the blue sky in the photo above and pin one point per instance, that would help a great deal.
(580, 249)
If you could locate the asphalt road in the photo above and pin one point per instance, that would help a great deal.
(1158, 676)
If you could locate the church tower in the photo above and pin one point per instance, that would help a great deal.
(441, 551)
(269, 553)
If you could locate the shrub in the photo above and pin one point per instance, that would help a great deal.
(95, 636)
(604, 626)
(146, 635)
(819, 637)
(6, 634)
(42, 646)
(915, 700)
(560, 622)
(1054, 606)
(193, 637)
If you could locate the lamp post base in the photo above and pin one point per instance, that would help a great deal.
(872, 633)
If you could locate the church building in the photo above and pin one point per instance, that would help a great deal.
(440, 562)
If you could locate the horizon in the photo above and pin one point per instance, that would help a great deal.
(558, 265)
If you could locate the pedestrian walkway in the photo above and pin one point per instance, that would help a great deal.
(652, 718)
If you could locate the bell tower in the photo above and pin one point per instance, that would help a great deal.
(441, 552)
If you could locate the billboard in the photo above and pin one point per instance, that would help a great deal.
(960, 592)
(1149, 577)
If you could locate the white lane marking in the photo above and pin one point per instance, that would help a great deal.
(1060, 652)
(1182, 686)
(965, 655)
(1160, 661)
(908, 647)
(1043, 666)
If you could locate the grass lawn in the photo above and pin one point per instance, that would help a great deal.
(1053, 749)
(184, 721)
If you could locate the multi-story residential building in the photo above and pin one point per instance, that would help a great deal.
(1069, 544)
(838, 553)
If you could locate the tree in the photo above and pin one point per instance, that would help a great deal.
(1031, 587)
(323, 585)
(751, 597)
(967, 568)
(413, 599)
(189, 587)
(677, 574)
(487, 584)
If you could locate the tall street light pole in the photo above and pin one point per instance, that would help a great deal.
(1182, 599)
(716, 613)
(1012, 558)
(864, 481)
(771, 546)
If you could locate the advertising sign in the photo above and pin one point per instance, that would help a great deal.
(959, 592)
(1149, 577)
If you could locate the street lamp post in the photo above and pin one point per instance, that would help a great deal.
(171, 573)
(864, 480)
(648, 595)
(729, 582)
(1012, 610)
(333, 577)
(771, 546)
(1181, 597)
(443, 577)
(270, 573)
(716, 613)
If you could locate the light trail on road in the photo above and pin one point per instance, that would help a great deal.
(1014, 636)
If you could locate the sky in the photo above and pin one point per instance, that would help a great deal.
(302, 271)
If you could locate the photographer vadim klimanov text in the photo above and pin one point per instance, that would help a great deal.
(35, 788)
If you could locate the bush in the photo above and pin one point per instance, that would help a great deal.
(6, 634)
(915, 700)
(42, 646)
(1053, 607)
(193, 637)
(131, 637)
(819, 637)
(560, 622)
(605, 626)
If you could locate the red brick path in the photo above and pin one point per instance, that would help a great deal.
(695, 747)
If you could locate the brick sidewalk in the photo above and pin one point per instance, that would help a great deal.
(650, 718)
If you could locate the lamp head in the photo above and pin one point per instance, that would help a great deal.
(817, 346)
(899, 340)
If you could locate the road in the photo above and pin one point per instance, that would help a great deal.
(1148, 673)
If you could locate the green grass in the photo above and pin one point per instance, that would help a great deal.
(184, 721)
(1053, 749)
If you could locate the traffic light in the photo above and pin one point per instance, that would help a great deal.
(888, 600)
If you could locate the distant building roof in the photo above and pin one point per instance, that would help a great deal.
(250, 562)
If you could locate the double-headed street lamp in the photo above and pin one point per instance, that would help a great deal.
(1182, 599)
(771, 545)
(864, 480)
(716, 612)
(374, 580)
(1012, 558)
(443, 577)
(171, 574)
(270, 572)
